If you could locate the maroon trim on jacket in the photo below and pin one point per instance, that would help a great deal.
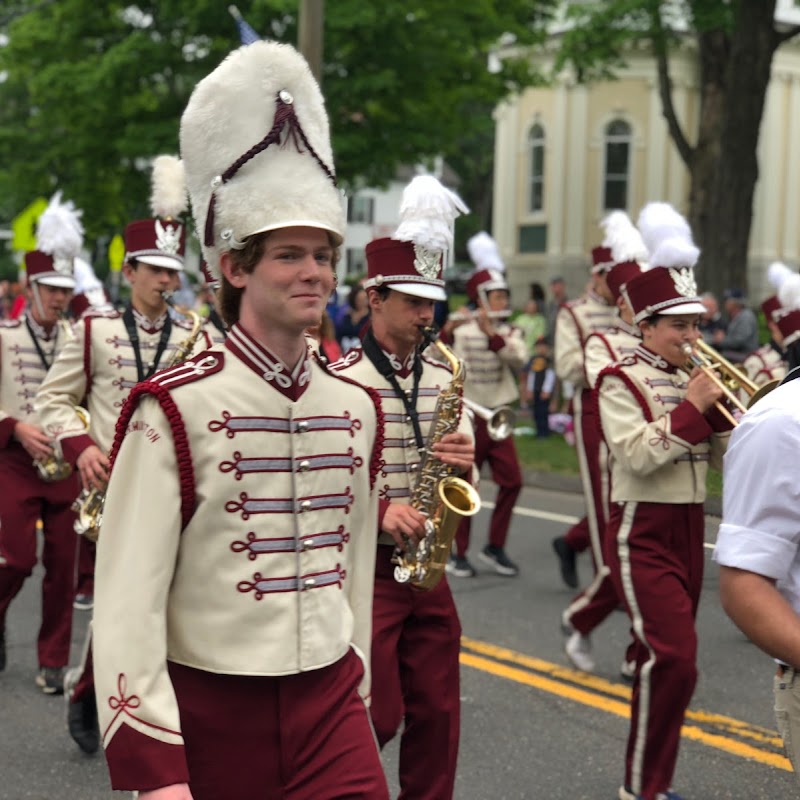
(73, 446)
(140, 762)
(183, 452)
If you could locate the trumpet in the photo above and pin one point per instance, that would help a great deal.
(727, 377)
(499, 421)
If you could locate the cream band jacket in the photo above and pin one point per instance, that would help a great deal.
(238, 538)
(22, 372)
(575, 320)
(400, 459)
(99, 367)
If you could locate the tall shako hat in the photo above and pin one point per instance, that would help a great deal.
(411, 260)
(787, 284)
(602, 259)
(627, 248)
(484, 252)
(668, 287)
(161, 241)
(59, 238)
(256, 144)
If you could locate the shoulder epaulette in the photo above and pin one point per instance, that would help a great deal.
(209, 362)
(347, 360)
(10, 323)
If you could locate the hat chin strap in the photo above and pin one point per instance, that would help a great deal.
(37, 301)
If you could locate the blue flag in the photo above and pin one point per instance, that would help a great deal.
(246, 32)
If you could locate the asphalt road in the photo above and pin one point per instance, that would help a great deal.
(532, 728)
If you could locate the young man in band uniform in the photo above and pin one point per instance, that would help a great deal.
(233, 616)
(494, 353)
(28, 346)
(662, 430)
(111, 352)
(416, 633)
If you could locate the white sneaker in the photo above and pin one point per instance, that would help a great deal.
(628, 671)
(579, 651)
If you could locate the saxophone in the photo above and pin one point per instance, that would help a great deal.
(90, 503)
(442, 497)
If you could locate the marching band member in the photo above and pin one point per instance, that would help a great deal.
(28, 346)
(757, 545)
(234, 595)
(592, 311)
(494, 352)
(618, 342)
(415, 634)
(216, 328)
(661, 428)
(109, 355)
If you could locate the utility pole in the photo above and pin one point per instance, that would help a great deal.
(309, 34)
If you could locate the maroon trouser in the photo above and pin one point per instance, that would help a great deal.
(503, 461)
(26, 498)
(415, 679)
(655, 553)
(296, 737)
(86, 557)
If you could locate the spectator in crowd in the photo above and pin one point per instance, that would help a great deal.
(532, 323)
(540, 385)
(741, 337)
(325, 336)
(558, 292)
(712, 320)
(352, 323)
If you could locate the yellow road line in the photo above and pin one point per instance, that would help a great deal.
(583, 688)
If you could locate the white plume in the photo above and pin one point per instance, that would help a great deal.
(787, 283)
(85, 277)
(168, 198)
(667, 236)
(484, 252)
(59, 231)
(622, 237)
(428, 212)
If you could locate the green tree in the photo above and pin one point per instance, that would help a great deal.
(736, 42)
(94, 90)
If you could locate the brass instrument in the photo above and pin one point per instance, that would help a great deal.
(499, 422)
(730, 379)
(90, 503)
(442, 497)
(187, 345)
(466, 315)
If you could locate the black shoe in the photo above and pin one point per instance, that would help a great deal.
(83, 602)
(497, 559)
(566, 555)
(82, 721)
(459, 567)
(2, 649)
(51, 680)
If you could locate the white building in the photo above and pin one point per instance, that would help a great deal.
(568, 154)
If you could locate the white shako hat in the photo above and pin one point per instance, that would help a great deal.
(255, 141)
(161, 240)
(411, 261)
(59, 238)
(668, 287)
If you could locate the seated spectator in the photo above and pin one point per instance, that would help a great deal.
(712, 320)
(353, 321)
(741, 337)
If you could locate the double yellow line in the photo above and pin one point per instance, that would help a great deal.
(714, 730)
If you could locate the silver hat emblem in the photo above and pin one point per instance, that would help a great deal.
(426, 262)
(684, 282)
(168, 237)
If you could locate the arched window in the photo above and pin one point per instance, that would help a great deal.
(618, 164)
(536, 175)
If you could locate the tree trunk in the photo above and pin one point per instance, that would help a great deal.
(727, 235)
(714, 53)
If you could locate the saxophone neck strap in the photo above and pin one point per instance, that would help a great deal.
(375, 354)
(133, 335)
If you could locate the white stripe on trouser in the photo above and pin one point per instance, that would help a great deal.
(637, 621)
(586, 478)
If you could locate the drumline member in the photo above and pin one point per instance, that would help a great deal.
(415, 634)
(234, 607)
(28, 346)
(109, 354)
(621, 340)
(757, 547)
(592, 311)
(494, 352)
(662, 429)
